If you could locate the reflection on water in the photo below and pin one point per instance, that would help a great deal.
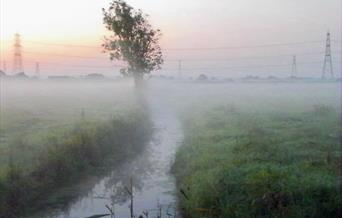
(153, 186)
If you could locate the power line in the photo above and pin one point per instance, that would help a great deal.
(243, 47)
(180, 61)
(80, 66)
(248, 66)
(239, 58)
(175, 69)
(192, 48)
(177, 60)
(61, 44)
(63, 55)
(183, 69)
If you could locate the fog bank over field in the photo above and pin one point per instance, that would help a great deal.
(101, 98)
(34, 112)
(83, 94)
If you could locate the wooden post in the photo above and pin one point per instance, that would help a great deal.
(132, 214)
(82, 113)
(130, 192)
(146, 213)
(111, 210)
(160, 211)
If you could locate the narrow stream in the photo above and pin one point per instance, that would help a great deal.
(153, 185)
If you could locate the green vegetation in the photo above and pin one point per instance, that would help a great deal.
(133, 40)
(260, 164)
(67, 157)
(56, 139)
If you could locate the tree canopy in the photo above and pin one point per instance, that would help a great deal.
(133, 40)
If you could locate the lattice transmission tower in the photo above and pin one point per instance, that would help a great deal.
(37, 70)
(180, 69)
(17, 59)
(327, 65)
(294, 66)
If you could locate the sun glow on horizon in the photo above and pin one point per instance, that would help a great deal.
(193, 23)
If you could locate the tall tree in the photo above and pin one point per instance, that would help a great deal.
(133, 41)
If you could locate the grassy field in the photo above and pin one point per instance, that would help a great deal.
(250, 150)
(31, 111)
(261, 158)
(53, 133)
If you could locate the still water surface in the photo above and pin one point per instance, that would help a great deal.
(154, 186)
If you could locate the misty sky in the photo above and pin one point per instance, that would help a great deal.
(234, 35)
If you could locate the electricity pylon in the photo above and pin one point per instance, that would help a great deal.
(180, 69)
(294, 66)
(327, 65)
(17, 60)
(37, 69)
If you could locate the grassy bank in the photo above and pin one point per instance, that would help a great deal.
(272, 164)
(66, 155)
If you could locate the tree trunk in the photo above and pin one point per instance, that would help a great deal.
(139, 89)
(138, 79)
